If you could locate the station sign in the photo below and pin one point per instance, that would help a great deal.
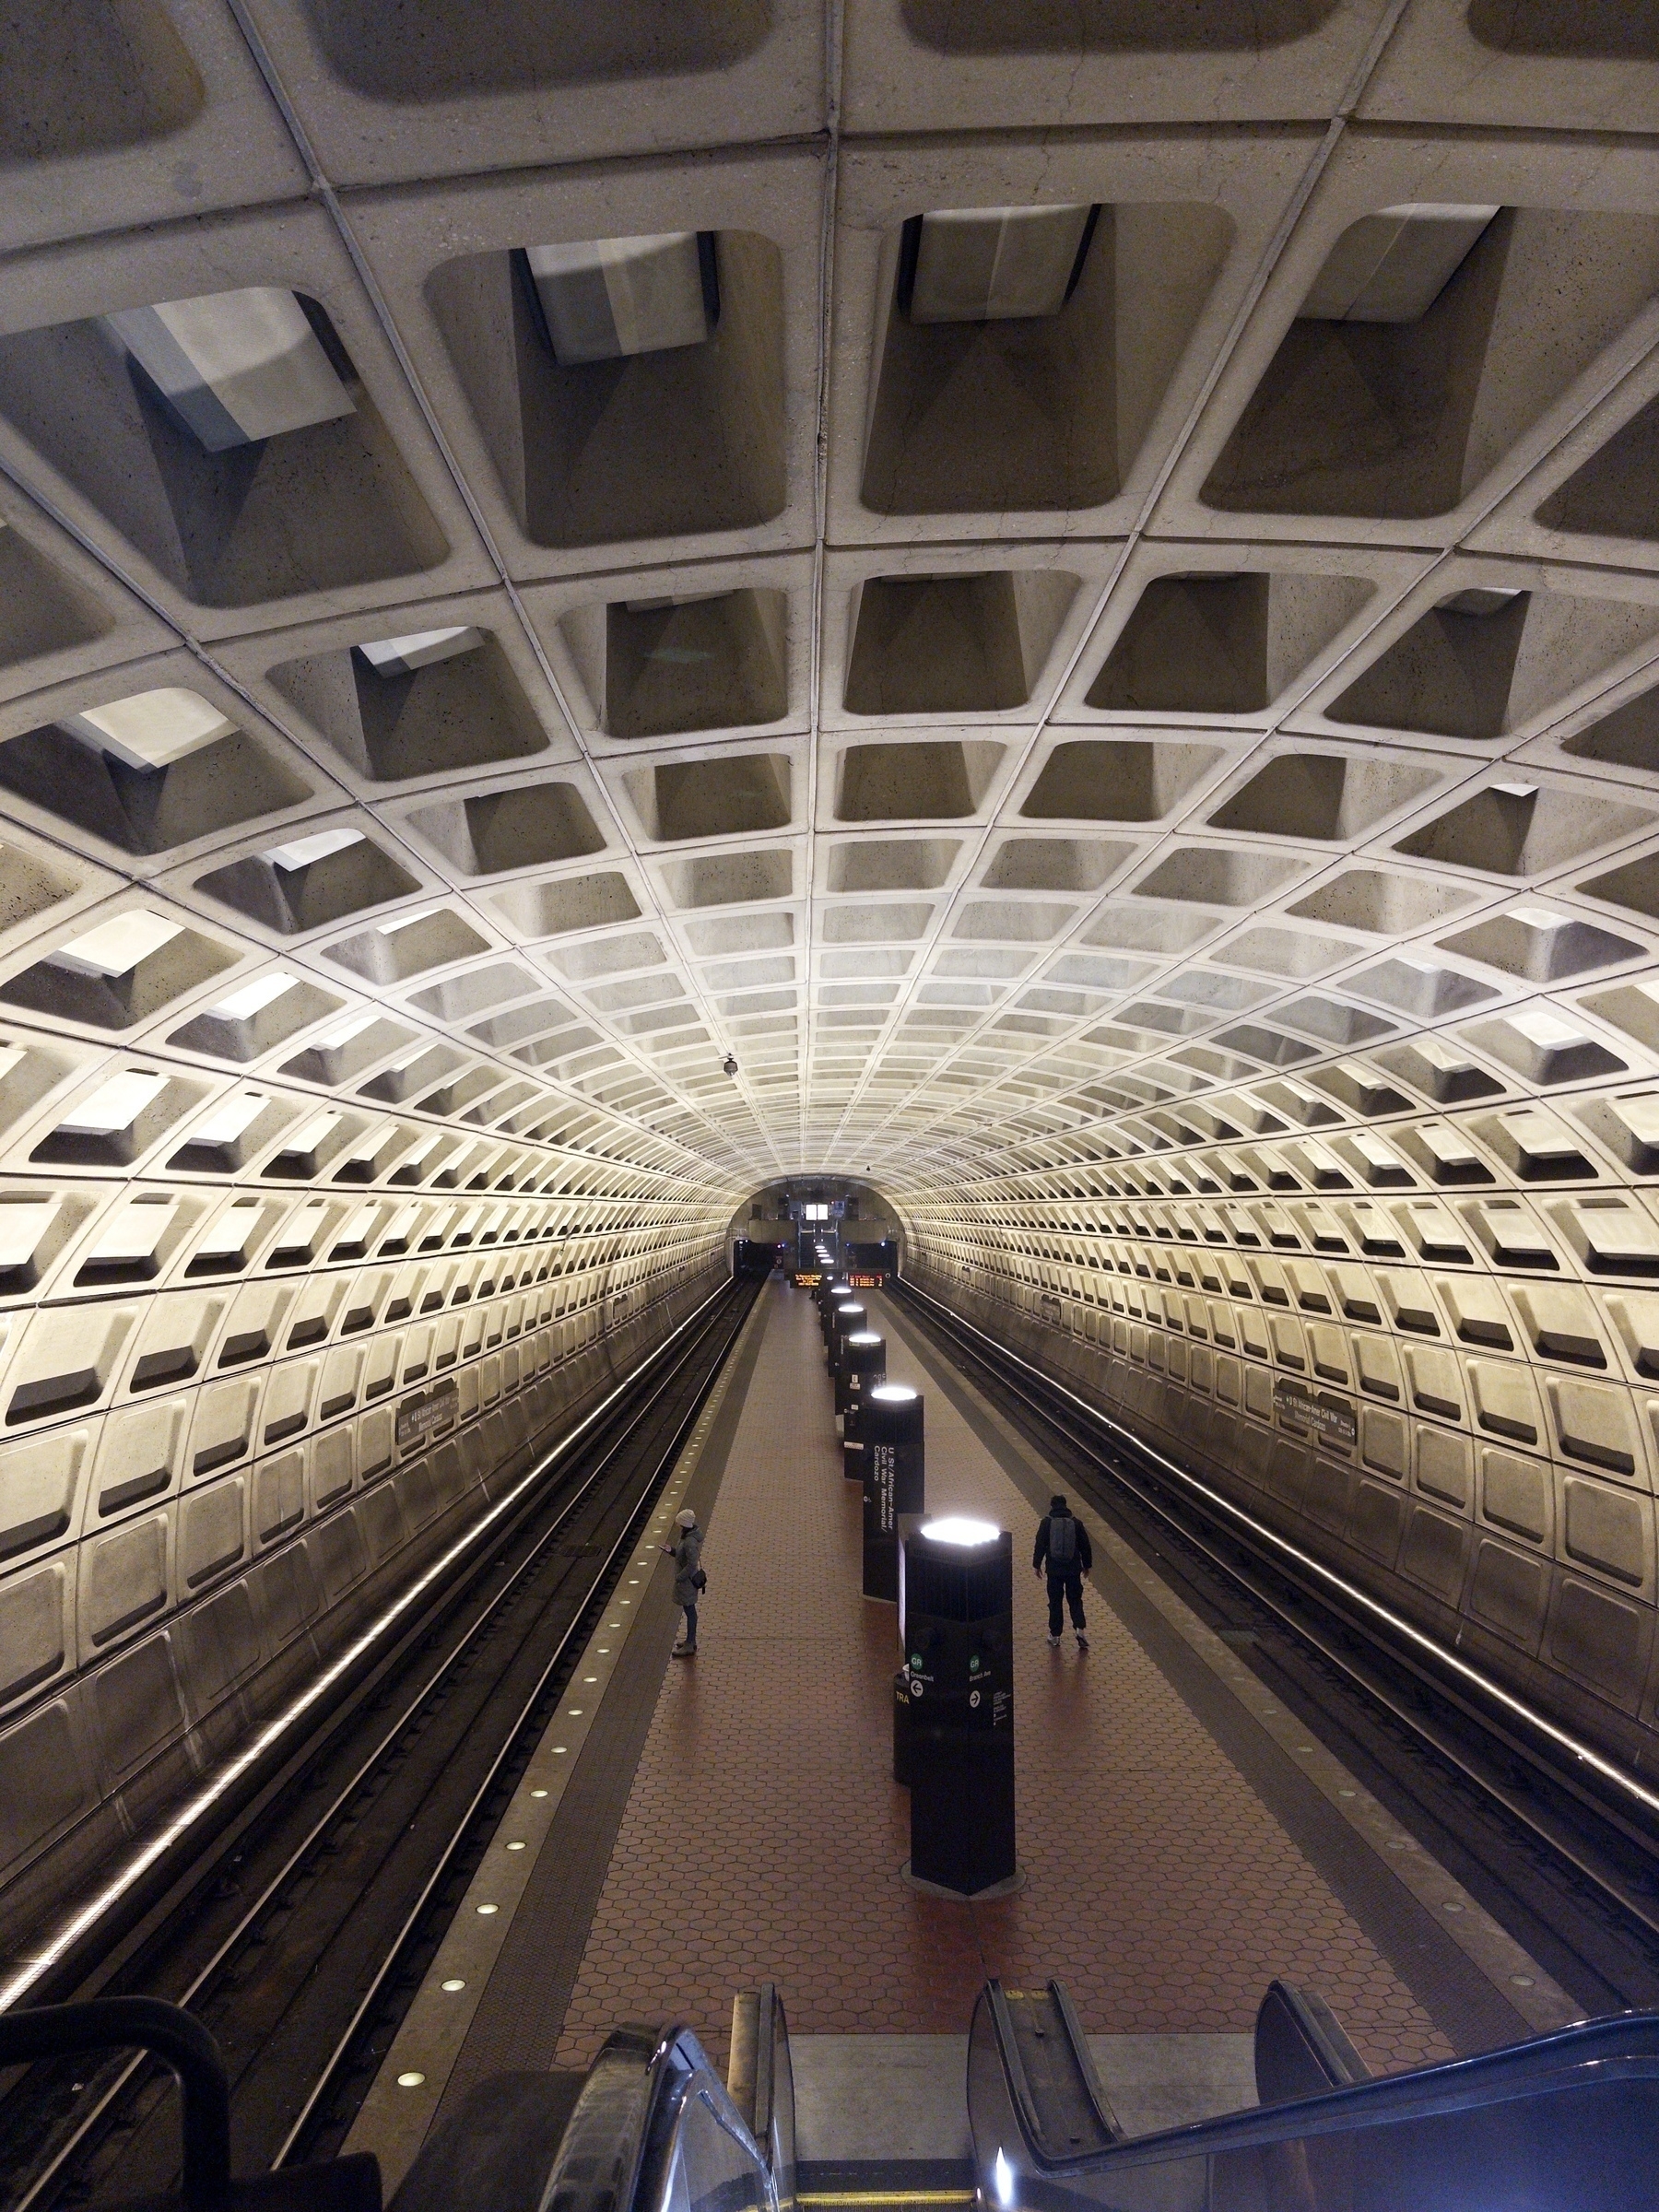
(863, 1282)
(427, 1410)
(1325, 1415)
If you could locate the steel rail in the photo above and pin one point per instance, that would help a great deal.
(1505, 1717)
(50, 2176)
(662, 1463)
(75, 1931)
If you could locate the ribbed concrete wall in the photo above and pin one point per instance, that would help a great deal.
(1442, 1384)
(207, 1492)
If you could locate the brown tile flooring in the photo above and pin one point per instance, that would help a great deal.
(763, 1835)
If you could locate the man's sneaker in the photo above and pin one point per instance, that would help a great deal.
(685, 1651)
(1082, 1640)
(1054, 1643)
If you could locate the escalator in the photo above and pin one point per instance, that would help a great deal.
(649, 2127)
(1564, 2122)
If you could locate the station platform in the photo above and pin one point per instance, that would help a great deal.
(696, 1827)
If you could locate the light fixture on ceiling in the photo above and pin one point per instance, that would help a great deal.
(729, 1065)
(237, 368)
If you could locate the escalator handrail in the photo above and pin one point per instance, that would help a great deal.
(169, 2033)
(1624, 2046)
(621, 2131)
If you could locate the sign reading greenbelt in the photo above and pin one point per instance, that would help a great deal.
(1331, 1419)
(426, 1410)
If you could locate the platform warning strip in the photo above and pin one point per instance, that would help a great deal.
(404, 2099)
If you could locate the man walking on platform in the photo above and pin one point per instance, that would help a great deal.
(689, 1580)
(1063, 1548)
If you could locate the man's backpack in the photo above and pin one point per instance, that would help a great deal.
(1062, 1540)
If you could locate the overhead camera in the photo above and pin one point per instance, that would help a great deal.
(729, 1065)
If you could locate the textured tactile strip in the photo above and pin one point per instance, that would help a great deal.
(516, 1941)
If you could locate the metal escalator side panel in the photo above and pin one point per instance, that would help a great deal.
(655, 2130)
(1301, 2050)
(1063, 2112)
(744, 2058)
(1000, 2157)
(600, 2158)
(1590, 2143)
(1106, 2121)
(761, 2082)
(1563, 2122)
(711, 2162)
(774, 2097)
(1010, 2173)
(765, 2056)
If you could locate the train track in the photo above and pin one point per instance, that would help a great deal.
(1571, 1872)
(300, 1940)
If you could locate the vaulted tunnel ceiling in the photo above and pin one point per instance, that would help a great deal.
(1059, 583)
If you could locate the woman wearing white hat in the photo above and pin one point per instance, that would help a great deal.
(689, 1580)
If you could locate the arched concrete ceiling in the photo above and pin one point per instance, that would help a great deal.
(1015, 735)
